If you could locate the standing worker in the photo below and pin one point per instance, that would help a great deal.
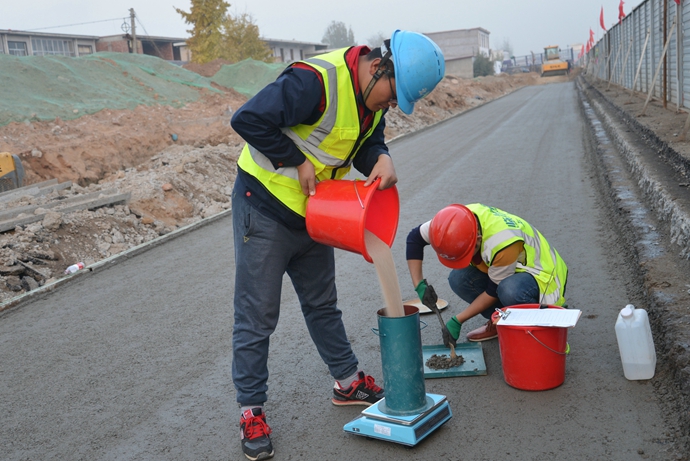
(321, 116)
(497, 260)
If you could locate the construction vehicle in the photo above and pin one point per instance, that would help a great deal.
(11, 172)
(552, 64)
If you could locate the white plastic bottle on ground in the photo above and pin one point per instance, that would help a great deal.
(74, 268)
(635, 343)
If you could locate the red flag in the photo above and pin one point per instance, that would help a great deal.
(677, 2)
(601, 19)
(588, 47)
(591, 35)
(621, 14)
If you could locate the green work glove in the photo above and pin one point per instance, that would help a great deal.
(454, 326)
(427, 295)
(421, 289)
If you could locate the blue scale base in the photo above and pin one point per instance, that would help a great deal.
(406, 430)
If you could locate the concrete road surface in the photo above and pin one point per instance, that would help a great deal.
(133, 362)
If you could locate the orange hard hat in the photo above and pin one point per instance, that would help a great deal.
(453, 235)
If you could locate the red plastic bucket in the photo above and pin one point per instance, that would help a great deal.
(341, 210)
(533, 357)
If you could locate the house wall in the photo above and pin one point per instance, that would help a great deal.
(287, 54)
(291, 51)
(116, 44)
(459, 44)
(163, 50)
(185, 54)
(461, 67)
(40, 44)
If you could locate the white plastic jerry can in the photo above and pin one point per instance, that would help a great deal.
(635, 343)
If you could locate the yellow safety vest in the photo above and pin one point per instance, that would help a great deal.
(330, 144)
(500, 229)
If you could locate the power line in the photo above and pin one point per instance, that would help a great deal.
(141, 24)
(80, 24)
(158, 50)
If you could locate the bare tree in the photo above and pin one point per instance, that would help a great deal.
(376, 41)
(337, 35)
(507, 46)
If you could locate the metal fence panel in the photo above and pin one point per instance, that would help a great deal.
(685, 60)
(647, 23)
(657, 36)
(672, 50)
(645, 52)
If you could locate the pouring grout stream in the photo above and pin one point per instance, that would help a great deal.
(382, 257)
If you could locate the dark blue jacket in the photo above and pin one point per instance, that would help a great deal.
(293, 99)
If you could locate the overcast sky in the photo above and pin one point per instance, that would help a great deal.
(528, 25)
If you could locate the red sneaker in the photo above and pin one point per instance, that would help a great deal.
(254, 432)
(364, 391)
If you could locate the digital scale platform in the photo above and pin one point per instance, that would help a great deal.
(377, 422)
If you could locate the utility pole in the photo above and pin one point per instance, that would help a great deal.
(134, 31)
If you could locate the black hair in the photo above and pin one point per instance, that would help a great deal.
(386, 60)
(385, 67)
(374, 54)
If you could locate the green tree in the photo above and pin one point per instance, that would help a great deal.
(206, 16)
(241, 40)
(338, 36)
(482, 66)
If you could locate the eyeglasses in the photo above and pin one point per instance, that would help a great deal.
(394, 98)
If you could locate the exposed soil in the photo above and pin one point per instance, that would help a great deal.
(178, 164)
(666, 123)
(444, 362)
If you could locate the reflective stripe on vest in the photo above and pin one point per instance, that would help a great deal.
(328, 144)
(542, 261)
(324, 128)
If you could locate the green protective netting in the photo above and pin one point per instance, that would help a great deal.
(249, 76)
(46, 87)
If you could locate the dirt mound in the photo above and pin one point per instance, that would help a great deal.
(43, 88)
(89, 148)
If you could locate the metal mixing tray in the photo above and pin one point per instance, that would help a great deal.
(473, 354)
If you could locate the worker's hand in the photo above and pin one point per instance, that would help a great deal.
(453, 326)
(384, 170)
(307, 177)
(427, 294)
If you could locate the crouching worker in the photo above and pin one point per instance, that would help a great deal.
(497, 260)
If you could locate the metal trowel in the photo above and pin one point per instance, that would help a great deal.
(430, 300)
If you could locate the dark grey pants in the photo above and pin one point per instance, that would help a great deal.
(264, 251)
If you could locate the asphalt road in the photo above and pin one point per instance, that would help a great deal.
(133, 362)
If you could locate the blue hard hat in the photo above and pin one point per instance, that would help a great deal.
(419, 66)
